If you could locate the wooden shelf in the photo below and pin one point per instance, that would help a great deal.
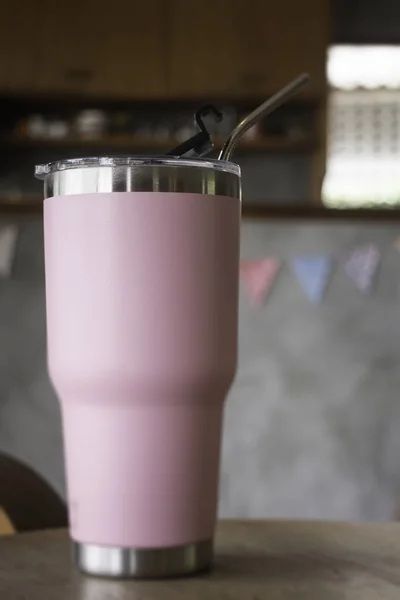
(308, 212)
(132, 142)
(33, 205)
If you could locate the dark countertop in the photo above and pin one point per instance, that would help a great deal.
(254, 561)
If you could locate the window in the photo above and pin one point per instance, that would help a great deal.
(363, 164)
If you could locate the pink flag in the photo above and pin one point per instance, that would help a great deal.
(258, 277)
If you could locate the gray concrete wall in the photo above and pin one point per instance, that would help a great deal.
(312, 424)
(29, 414)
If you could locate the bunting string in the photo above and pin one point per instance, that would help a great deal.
(313, 272)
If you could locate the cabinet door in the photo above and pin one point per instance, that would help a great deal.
(68, 61)
(245, 48)
(21, 28)
(201, 40)
(107, 49)
(91, 47)
(277, 41)
(131, 50)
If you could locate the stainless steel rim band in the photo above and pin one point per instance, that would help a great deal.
(105, 561)
(177, 179)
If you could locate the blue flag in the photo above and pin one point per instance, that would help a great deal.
(313, 274)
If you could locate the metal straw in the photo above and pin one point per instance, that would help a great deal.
(262, 111)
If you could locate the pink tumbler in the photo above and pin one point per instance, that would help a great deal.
(142, 287)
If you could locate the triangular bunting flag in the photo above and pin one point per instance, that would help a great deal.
(258, 277)
(361, 266)
(313, 274)
(8, 240)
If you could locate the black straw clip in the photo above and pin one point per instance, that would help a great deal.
(200, 144)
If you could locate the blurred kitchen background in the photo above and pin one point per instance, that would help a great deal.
(312, 424)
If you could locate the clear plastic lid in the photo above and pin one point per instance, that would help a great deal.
(135, 161)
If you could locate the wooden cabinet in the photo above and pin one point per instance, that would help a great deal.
(277, 41)
(162, 48)
(85, 47)
(246, 48)
(21, 28)
(201, 39)
(67, 50)
(131, 50)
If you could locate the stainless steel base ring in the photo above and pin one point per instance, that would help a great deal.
(148, 563)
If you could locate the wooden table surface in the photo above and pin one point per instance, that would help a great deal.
(255, 560)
